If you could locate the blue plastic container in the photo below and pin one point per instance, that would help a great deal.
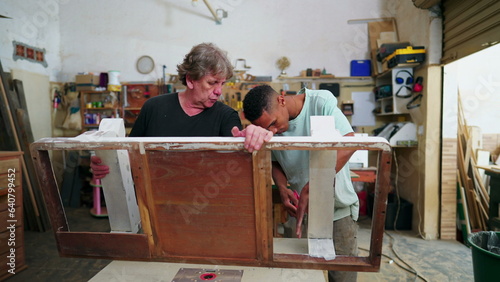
(361, 68)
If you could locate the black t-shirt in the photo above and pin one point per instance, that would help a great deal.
(163, 116)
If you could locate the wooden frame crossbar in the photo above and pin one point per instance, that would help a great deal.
(205, 200)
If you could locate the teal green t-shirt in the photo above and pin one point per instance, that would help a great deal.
(295, 163)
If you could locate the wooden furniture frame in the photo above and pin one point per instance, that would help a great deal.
(205, 200)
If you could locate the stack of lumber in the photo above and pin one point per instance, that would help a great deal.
(471, 186)
(16, 135)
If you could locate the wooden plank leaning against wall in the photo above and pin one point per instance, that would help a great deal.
(17, 136)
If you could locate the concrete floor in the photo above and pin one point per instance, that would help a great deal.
(437, 260)
(432, 260)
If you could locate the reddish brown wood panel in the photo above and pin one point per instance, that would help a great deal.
(369, 176)
(341, 263)
(103, 245)
(138, 94)
(50, 189)
(204, 203)
(263, 206)
(382, 186)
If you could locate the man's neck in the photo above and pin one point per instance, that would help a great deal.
(294, 105)
(190, 108)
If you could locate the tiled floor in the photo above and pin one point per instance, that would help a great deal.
(437, 260)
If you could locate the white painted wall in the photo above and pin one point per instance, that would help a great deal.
(97, 36)
(35, 23)
(419, 27)
(477, 78)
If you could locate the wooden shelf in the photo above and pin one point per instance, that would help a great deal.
(303, 78)
(391, 114)
(403, 146)
(93, 114)
(383, 99)
(397, 104)
(102, 109)
(409, 65)
(98, 92)
(136, 95)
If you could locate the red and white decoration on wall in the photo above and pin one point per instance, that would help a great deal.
(26, 52)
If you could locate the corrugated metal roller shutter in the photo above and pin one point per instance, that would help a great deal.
(469, 26)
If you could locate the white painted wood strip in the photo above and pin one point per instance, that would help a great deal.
(118, 185)
(212, 143)
(321, 191)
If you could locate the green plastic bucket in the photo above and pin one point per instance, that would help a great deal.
(486, 264)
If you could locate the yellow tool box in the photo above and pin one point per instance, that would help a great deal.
(408, 55)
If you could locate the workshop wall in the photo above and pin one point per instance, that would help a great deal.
(477, 79)
(108, 35)
(34, 23)
(98, 36)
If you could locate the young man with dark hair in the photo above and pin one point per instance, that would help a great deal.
(290, 116)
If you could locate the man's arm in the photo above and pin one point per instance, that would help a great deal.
(343, 157)
(287, 196)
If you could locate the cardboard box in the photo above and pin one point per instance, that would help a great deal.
(86, 82)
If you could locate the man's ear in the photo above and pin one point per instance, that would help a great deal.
(189, 82)
(281, 100)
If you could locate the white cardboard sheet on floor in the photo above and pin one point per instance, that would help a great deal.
(162, 271)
